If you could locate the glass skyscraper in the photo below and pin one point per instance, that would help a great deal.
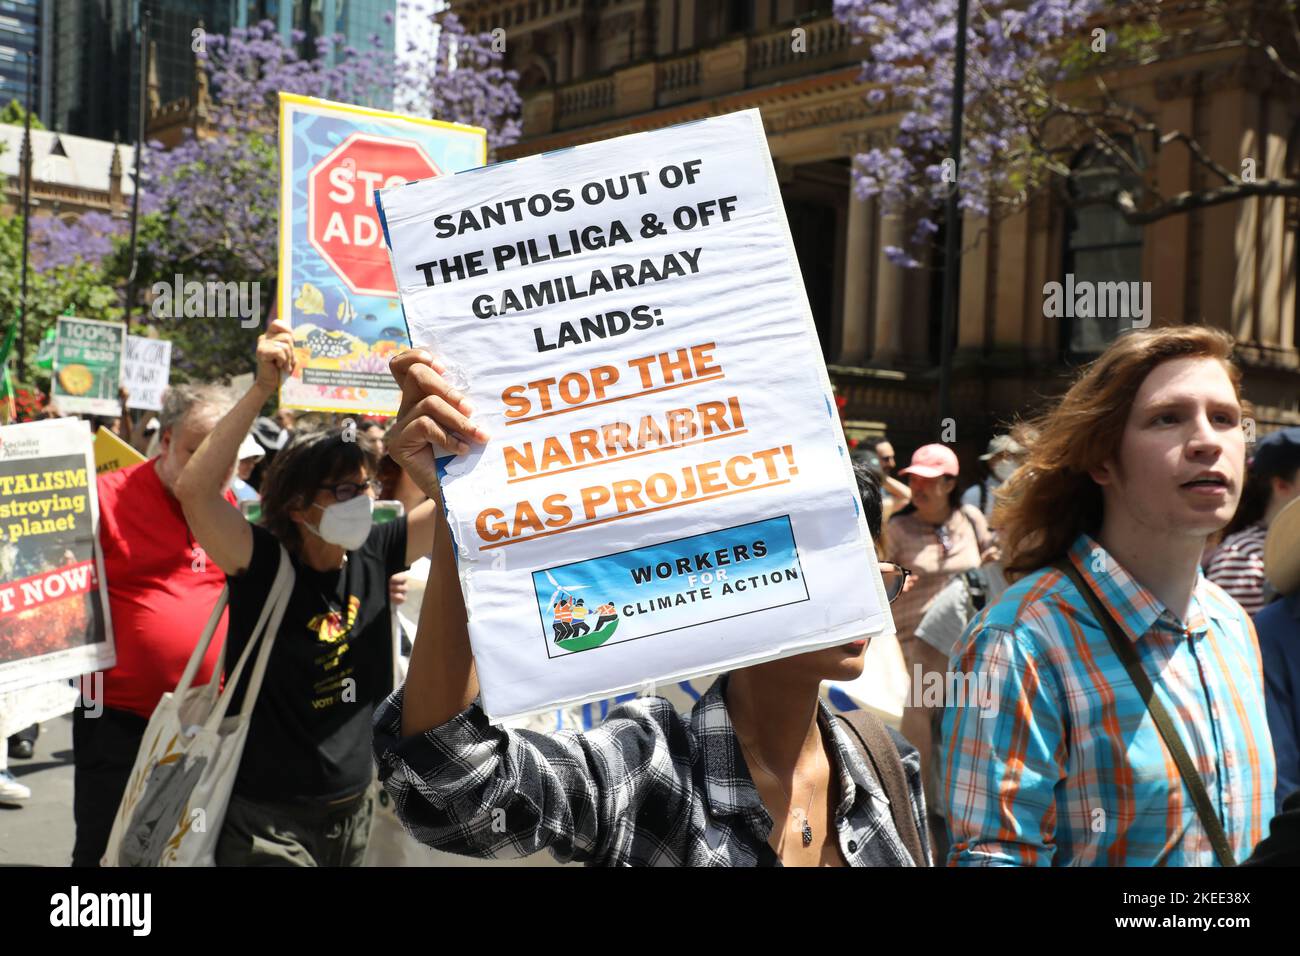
(19, 36)
(95, 63)
(356, 20)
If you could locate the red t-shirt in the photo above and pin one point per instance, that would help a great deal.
(158, 601)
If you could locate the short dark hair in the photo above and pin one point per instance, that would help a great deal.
(1257, 490)
(314, 458)
(869, 495)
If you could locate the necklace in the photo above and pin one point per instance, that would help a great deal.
(806, 831)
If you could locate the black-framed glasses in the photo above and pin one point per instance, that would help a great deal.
(895, 577)
(350, 489)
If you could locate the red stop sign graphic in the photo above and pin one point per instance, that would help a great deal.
(342, 222)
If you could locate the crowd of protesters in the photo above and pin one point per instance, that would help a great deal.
(1124, 570)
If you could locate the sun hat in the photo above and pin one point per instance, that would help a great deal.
(249, 448)
(1282, 549)
(1003, 445)
(269, 434)
(932, 461)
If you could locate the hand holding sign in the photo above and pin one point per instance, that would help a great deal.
(274, 355)
(432, 421)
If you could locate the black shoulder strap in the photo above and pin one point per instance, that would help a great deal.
(1127, 653)
(878, 747)
(978, 590)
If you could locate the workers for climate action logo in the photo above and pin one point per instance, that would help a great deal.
(342, 222)
(672, 586)
(575, 624)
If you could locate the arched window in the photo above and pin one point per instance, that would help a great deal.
(1101, 249)
(536, 74)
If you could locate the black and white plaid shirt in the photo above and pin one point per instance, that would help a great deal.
(648, 787)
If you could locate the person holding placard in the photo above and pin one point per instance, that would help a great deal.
(303, 794)
(758, 774)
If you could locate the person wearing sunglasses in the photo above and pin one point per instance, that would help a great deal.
(303, 795)
(939, 538)
(758, 774)
(896, 494)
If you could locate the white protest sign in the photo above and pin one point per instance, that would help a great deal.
(667, 491)
(146, 370)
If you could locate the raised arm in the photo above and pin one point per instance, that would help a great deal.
(217, 525)
(465, 786)
(132, 430)
(124, 429)
(433, 421)
(900, 491)
(421, 527)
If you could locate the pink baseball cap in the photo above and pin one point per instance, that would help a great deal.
(932, 461)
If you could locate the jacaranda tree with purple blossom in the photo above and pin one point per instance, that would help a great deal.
(1020, 129)
(212, 202)
(461, 78)
(65, 270)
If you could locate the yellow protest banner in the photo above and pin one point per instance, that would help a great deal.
(112, 454)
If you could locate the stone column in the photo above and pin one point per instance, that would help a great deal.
(858, 250)
(686, 24)
(563, 56)
(889, 294)
(1271, 275)
(579, 49)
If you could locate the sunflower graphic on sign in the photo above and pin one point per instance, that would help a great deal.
(578, 624)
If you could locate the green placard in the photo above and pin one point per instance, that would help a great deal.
(45, 351)
(88, 366)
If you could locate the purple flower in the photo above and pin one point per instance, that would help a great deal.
(912, 43)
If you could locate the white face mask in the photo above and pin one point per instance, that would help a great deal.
(346, 523)
(1003, 470)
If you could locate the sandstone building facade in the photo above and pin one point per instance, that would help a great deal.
(593, 69)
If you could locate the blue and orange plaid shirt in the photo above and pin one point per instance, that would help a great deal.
(1067, 768)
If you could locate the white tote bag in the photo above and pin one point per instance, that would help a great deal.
(176, 797)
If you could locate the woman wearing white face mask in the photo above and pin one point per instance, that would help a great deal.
(303, 793)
